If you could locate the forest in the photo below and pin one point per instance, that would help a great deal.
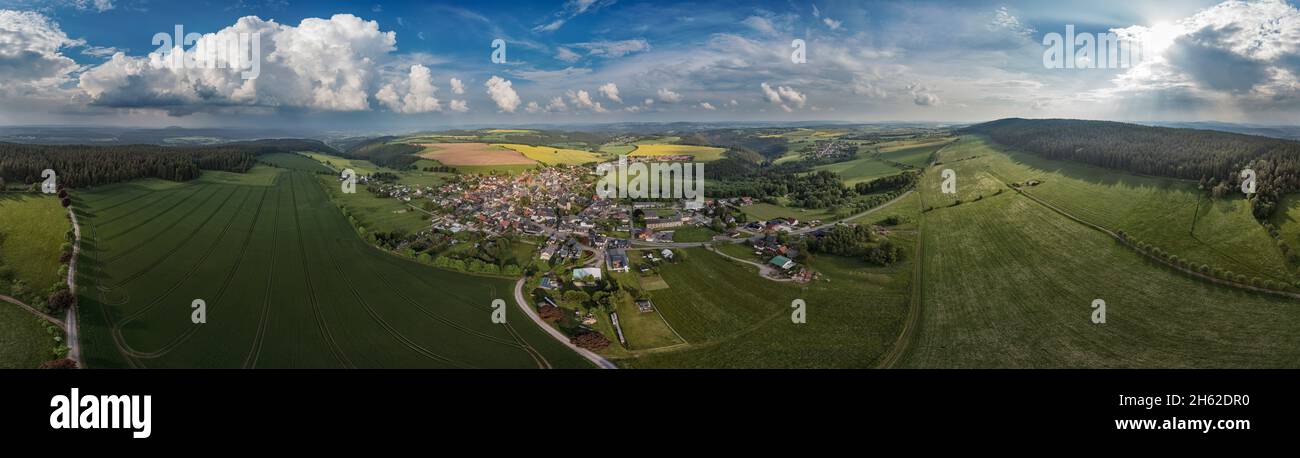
(1213, 158)
(81, 165)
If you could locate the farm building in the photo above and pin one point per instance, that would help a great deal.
(644, 305)
(781, 261)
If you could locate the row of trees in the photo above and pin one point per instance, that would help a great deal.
(1206, 269)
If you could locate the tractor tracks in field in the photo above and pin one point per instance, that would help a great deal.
(147, 240)
(311, 290)
(388, 327)
(515, 343)
(912, 320)
(518, 341)
(259, 336)
(150, 219)
(118, 339)
(225, 285)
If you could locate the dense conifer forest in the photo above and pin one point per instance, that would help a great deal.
(83, 165)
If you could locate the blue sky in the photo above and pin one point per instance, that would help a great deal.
(396, 66)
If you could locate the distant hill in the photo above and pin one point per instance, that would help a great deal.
(1286, 132)
(1214, 158)
(170, 136)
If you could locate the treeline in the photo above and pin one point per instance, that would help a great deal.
(808, 190)
(856, 241)
(1214, 158)
(83, 165)
(901, 181)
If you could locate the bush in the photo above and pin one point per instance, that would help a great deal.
(590, 340)
(60, 301)
(63, 363)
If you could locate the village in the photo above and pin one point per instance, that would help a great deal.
(556, 209)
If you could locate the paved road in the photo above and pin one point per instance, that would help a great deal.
(74, 343)
(598, 360)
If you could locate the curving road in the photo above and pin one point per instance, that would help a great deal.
(598, 360)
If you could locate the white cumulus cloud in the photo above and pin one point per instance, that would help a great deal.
(415, 94)
(667, 95)
(500, 91)
(610, 90)
(323, 64)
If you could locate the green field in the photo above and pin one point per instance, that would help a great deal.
(24, 344)
(362, 167)
(295, 162)
(1010, 283)
(860, 170)
(617, 149)
(376, 213)
(697, 153)
(31, 231)
(766, 211)
(1159, 211)
(287, 283)
(731, 317)
(693, 234)
(915, 155)
(259, 175)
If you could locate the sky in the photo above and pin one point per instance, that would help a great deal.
(388, 66)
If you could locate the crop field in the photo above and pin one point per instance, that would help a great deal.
(286, 282)
(32, 229)
(362, 167)
(554, 156)
(916, 155)
(859, 170)
(295, 162)
(1010, 283)
(697, 153)
(473, 154)
(259, 175)
(731, 317)
(617, 149)
(1171, 214)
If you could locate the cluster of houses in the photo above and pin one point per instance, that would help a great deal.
(399, 191)
(526, 202)
(663, 158)
(827, 149)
